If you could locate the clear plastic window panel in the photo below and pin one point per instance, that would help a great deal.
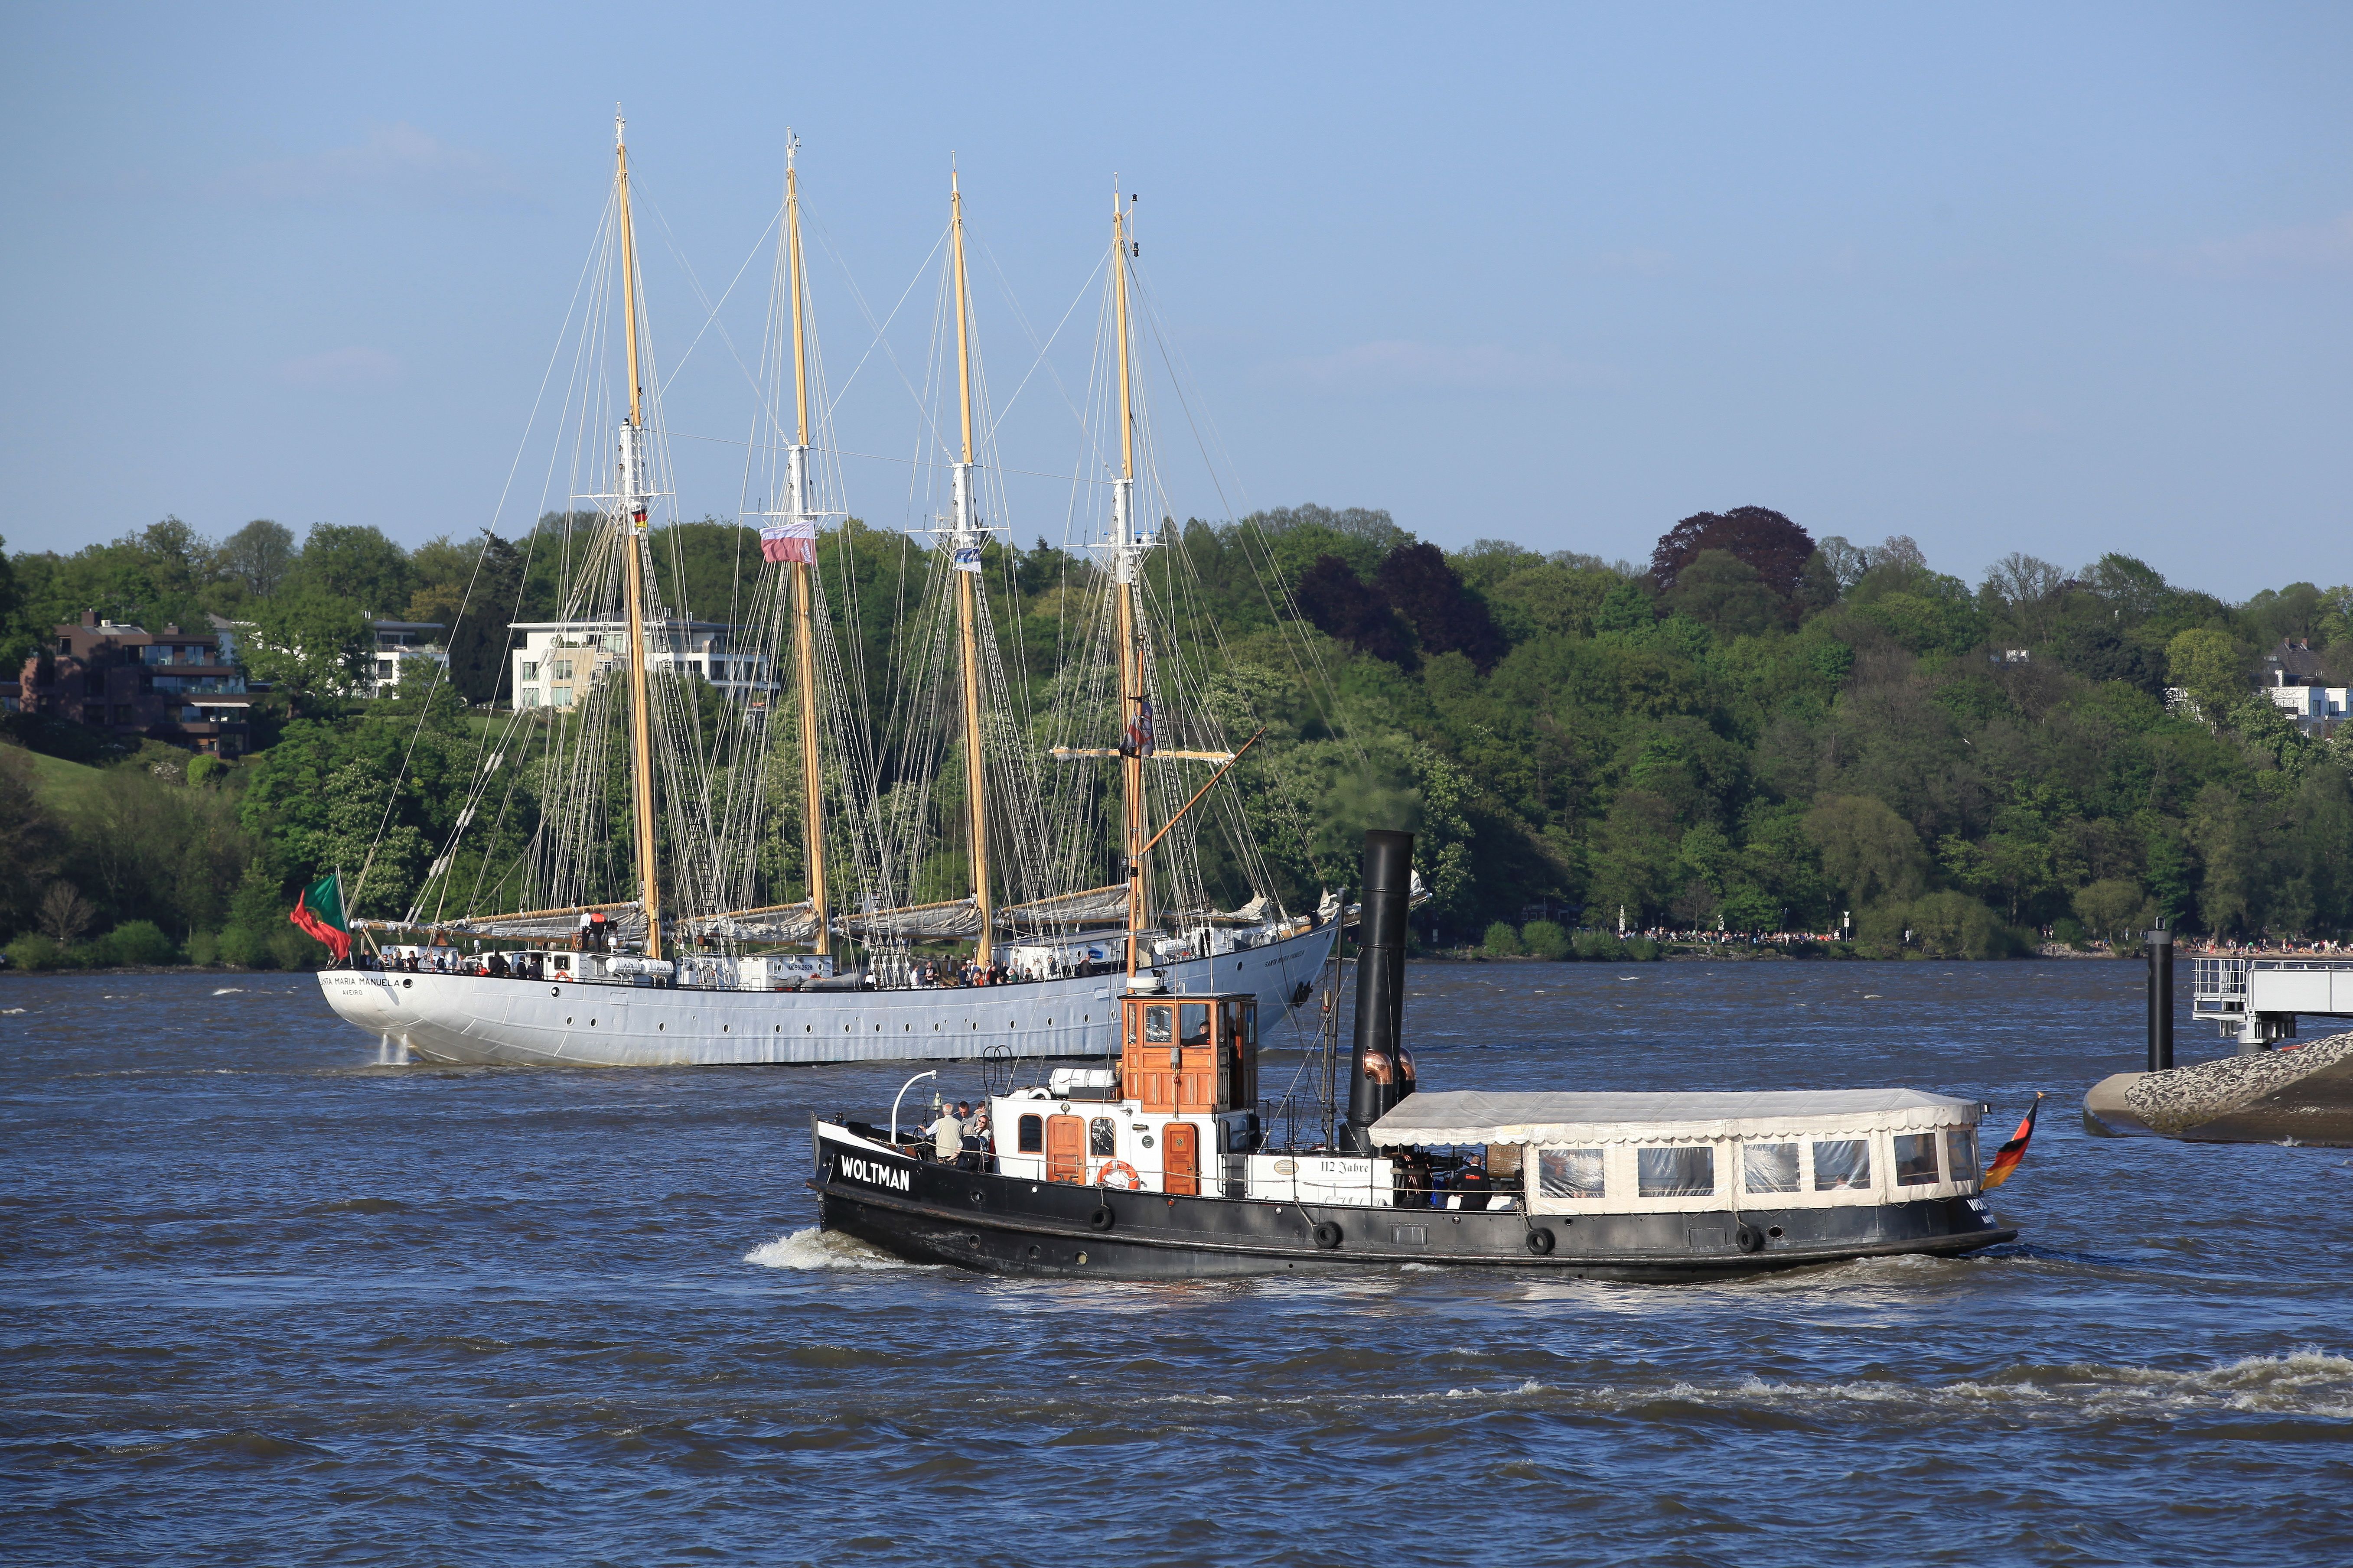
(1915, 1159)
(1569, 1172)
(1841, 1163)
(1962, 1152)
(1677, 1171)
(1769, 1167)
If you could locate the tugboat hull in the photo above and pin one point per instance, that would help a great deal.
(927, 1212)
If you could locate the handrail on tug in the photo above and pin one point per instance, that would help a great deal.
(928, 1072)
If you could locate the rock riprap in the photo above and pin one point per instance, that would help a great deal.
(2302, 1094)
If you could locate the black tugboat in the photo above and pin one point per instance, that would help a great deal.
(1161, 1169)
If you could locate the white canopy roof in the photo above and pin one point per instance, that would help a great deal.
(1469, 1116)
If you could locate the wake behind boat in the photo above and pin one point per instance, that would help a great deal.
(1167, 1166)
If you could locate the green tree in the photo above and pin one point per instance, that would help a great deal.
(2203, 663)
(310, 647)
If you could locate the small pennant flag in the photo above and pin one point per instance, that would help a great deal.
(1137, 742)
(2005, 1158)
(967, 557)
(319, 909)
(792, 540)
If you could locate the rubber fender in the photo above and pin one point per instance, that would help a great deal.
(1540, 1242)
(1102, 1218)
(1327, 1234)
(1748, 1238)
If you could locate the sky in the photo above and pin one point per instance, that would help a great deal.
(2065, 279)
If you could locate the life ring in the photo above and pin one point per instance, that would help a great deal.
(1118, 1173)
(1102, 1218)
(1540, 1242)
(1327, 1234)
(1747, 1239)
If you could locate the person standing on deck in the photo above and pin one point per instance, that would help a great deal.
(947, 1136)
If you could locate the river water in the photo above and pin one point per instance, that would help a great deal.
(264, 1301)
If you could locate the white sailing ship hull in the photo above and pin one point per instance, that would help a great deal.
(466, 1018)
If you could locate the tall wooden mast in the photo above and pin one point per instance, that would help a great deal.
(965, 556)
(1125, 557)
(804, 581)
(636, 499)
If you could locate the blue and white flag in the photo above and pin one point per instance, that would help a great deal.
(967, 557)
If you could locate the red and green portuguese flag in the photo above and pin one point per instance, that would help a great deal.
(319, 909)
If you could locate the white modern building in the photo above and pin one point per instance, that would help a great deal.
(397, 642)
(2313, 708)
(559, 659)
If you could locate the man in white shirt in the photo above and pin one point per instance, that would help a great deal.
(947, 1136)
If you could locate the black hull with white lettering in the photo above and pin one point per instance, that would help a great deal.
(933, 1212)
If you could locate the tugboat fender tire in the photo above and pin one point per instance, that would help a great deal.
(1540, 1242)
(1102, 1218)
(1118, 1173)
(1748, 1238)
(1327, 1234)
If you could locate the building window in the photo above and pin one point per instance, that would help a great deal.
(531, 696)
(531, 669)
(560, 696)
(1102, 1138)
(1915, 1159)
(1569, 1172)
(1841, 1164)
(383, 669)
(1679, 1171)
(1769, 1167)
(563, 670)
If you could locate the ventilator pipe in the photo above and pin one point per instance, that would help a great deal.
(1375, 1079)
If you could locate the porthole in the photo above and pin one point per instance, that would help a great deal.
(661, 1025)
(592, 1023)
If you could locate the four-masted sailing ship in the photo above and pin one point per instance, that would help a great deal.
(951, 849)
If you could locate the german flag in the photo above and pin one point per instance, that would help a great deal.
(2005, 1158)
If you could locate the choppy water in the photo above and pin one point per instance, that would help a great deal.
(263, 1302)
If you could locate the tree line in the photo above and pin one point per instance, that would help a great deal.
(1755, 729)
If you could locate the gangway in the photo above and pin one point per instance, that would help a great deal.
(2255, 1001)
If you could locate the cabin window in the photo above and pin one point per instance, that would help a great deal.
(1102, 1138)
(1158, 1024)
(1033, 1135)
(1241, 1022)
(1915, 1159)
(1841, 1163)
(1961, 1154)
(1569, 1172)
(1679, 1171)
(1192, 1018)
(1769, 1167)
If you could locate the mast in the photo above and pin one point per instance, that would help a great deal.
(635, 502)
(803, 582)
(1124, 556)
(967, 539)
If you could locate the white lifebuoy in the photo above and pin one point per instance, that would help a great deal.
(1118, 1173)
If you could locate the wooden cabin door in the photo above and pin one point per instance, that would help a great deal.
(1180, 1162)
(1066, 1148)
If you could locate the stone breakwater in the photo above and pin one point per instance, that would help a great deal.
(2303, 1094)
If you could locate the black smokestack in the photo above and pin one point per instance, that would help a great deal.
(1377, 1071)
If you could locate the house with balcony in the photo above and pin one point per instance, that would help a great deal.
(559, 660)
(397, 642)
(2295, 679)
(182, 688)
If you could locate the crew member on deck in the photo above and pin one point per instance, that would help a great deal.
(947, 1136)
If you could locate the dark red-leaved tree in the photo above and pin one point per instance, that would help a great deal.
(1445, 617)
(1335, 600)
(1762, 537)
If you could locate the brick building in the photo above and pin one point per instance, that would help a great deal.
(134, 684)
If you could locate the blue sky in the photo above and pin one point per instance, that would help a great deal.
(2058, 278)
